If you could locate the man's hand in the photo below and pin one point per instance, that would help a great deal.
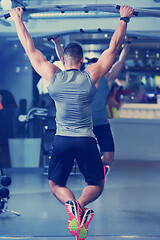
(58, 47)
(56, 40)
(126, 11)
(16, 14)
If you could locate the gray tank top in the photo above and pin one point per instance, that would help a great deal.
(99, 112)
(73, 92)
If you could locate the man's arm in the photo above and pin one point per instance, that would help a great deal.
(117, 68)
(44, 68)
(112, 101)
(103, 65)
(58, 47)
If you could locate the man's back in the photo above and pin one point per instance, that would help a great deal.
(73, 91)
(99, 112)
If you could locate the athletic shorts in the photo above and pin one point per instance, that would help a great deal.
(84, 150)
(104, 137)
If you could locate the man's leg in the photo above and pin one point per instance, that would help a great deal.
(91, 193)
(59, 169)
(90, 164)
(61, 192)
(106, 143)
(67, 198)
(107, 158)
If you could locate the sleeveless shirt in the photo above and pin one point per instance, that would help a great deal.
(73, 92)
(99, 112)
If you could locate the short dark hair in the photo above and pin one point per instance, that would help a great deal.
(74, 50)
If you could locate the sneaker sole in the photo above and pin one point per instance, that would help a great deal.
(72, 224)
(89, 214)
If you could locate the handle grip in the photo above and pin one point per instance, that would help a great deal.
(49, 38)
(7, 15)
(134, 13)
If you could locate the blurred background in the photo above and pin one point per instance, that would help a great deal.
(26, 110)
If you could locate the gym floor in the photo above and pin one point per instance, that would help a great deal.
(129, 207)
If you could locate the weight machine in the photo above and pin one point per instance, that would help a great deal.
(5, 193)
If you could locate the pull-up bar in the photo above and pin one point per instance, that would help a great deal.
(113, 8)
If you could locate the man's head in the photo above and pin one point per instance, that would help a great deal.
(73, 54)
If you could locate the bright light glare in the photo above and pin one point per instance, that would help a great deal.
(6, 4)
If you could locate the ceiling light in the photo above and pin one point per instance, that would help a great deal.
(17, 69)
(6, 4)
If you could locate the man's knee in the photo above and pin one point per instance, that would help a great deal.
(99, 184)
(53, 186)
(107, 158)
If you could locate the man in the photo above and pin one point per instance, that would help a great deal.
(101, 126)
(73, 91)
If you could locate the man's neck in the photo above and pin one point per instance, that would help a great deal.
(69, 67)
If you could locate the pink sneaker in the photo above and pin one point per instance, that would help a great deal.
(106, 170)
(75, 212)
(86, 219)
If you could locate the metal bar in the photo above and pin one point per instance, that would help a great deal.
(85, 8)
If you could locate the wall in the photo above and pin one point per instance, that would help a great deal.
(136, 139)
(16, 77)
(140, 111)
(15, 71)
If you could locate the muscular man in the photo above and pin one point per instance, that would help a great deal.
(101, 126)
(73, 91)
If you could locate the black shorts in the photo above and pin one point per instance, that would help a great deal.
(104, 137)
(84, 150)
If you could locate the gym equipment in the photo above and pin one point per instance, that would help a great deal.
(47, 134)
(41, 112)
(4, 207)
(4, 194)
(6, 181)
(33, 113)
(49, 131)
(47, 145)
(5, 23)
(113, 8)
